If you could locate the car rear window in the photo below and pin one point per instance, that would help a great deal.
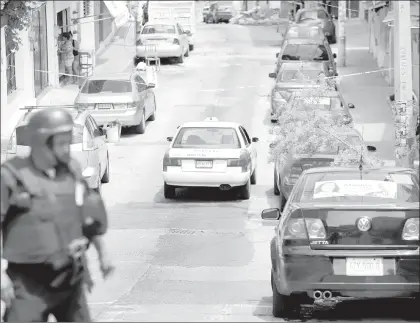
(312, 15)
(158, 29)
(305, 52)
(212, 137)
(319, 103)
(109, 86)
(299, 75)
(384, 187)
(23, 138)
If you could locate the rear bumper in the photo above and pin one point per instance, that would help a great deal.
(162, 51)
(297, 274)
(127, 118)
(176, 177)
(224, 17)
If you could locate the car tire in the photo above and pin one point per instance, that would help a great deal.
(253, 178)
(282, 201)
(245, 191)
(105, 178)
(168, 191)
(191, 47)
(276, 186)
(283, 306)
(141, 127)
(153, 116)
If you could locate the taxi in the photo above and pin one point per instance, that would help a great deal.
(210, 153)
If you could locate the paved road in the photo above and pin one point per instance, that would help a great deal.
(204, 256)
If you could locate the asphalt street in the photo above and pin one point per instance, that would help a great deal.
(205, 255)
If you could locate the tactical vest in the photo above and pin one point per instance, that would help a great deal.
(42, 233)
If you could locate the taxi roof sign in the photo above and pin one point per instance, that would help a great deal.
(211, 119)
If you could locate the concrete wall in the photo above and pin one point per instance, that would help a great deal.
(104, 29)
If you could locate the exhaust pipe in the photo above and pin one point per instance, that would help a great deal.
(225, 187)
(317, 295)
(327, 295)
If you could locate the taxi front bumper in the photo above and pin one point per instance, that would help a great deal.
(162, 51)
(176, 177)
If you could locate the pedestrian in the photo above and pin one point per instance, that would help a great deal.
(66, 50)
(76, 61)
(48, 217)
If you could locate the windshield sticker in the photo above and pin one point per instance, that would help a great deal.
(370, 188)
(402, 179)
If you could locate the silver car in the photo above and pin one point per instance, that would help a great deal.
(163, 40)
(125, 98)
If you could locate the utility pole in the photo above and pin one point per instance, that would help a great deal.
(403, 82)
(342, 9)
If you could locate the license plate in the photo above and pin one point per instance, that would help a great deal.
(364, 267)
(203, 163)
(104, 106)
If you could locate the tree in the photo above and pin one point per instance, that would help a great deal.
(302, 129)
(16, 15)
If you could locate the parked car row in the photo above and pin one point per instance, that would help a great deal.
(216, 13)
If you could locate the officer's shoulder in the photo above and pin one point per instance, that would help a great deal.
(17, 163)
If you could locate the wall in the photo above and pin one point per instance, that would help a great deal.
(104, 29)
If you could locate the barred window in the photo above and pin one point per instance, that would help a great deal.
(11, 70)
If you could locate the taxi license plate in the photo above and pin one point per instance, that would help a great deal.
(204, 164)
(104, 106)
(364, 267)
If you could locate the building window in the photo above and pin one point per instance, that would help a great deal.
(11, 70)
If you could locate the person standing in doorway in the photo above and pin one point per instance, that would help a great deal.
(66, 50)
(76, 62)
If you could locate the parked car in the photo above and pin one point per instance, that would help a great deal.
(306, 49)
(342, 234)
(210, 153)
(287, 169)
(88, 146)
(212, 14)
(205, 13)
(125, 98)
(304, 31)
(318, 16)
(163, 40)
(224, 14)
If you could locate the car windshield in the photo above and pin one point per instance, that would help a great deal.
(299, 75)
(212, 137)
(102, 86)
(311, 15)
(365, 186)
(158, 29)
(305, 52)
(318, 103)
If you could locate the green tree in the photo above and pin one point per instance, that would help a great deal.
(301, 128)
(16, 15)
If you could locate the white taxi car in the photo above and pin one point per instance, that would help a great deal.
(210, 153)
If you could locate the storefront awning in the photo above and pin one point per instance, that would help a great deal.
(119, 11)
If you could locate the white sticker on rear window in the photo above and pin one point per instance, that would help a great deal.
(369, 188)
(403, 179)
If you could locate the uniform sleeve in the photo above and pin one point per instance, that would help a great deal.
(6, 185)
(94, 208)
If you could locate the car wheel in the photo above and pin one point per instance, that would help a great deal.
(191, 47)
(283, 306)
(276, 186)
(141, 127)
(168, 191)
(153, 116)
(254, 177)
(181, 58)
(282, 201)
(105, 178)
(188, 51)
(244, 191)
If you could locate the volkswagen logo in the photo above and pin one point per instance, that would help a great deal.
(364, 224)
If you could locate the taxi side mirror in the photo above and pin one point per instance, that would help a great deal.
(255, 139)
(270, 214)
(371, 148)
(351, 106)
(272, 75)
(169, 139)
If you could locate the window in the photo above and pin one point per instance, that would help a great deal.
(158, 29)
(212, 137)
(112, 86)
(305, 52)
(247, 139)
(11, 70)
(39, 27)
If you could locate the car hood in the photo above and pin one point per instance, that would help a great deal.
(101, 98)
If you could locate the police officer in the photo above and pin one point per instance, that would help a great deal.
(48, 218)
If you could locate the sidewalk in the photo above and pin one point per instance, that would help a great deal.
(368, 92)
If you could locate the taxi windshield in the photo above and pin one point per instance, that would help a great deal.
(384, 187)
(212, 137)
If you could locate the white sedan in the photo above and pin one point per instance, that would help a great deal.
(210, 153)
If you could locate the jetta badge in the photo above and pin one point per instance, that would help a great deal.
(364, 224)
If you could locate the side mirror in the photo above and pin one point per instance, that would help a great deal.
(351, 106)
(371, 148)
(151, 86)
(88, 172)
(270, 214)
(169, 139)
(272, 75)
(255, 139)
(334, 55)
(277, 55)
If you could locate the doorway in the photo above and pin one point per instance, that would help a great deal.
(63, 18)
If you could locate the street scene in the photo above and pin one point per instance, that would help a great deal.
(191, 152)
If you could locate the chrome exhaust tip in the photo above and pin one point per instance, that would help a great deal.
(317, 295)
(327, 295)
(225, 187)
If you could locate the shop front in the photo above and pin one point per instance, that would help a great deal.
(40, 49)
(63, 26)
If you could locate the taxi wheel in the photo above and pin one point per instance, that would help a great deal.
(276, 186)
(141, 128)
(168, 191)
(253, 178)
(105, 178)
(244, 191)
(283, 306)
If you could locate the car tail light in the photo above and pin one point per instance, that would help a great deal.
(305, 229)
(176, 42)
(12, 146)
(168, 161)
(138, 42)
(294, 174)
(243, 161)
(120, 106)
(411, 229)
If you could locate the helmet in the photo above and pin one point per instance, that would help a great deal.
(141, 66)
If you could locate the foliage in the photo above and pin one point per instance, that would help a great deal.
(302, 129)
(18, 14)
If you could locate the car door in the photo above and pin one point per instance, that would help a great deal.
(100, 142)
(249, 146)
(143, 95)
(182, 36)
(89, 146)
